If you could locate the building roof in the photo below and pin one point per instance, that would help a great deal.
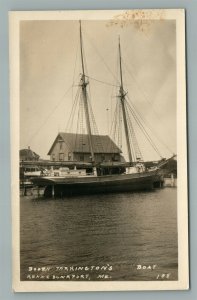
(78, 143)
(29, 153)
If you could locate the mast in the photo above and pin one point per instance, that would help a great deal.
(84, 94)
(122, 100)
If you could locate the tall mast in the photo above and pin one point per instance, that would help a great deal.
(122, 100)
(85, 101)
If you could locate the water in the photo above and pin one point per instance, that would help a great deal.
(130, 236)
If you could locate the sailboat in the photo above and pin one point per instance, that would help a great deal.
(95, 177)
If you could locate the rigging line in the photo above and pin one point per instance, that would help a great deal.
(115, 118)
(90, 40)
(92, 118)
(81, 114)
(93, 122)
(49, 115)
(130, 138)
(138, 85)
(144, 130)
(148, 125)
(70, 120)
(118, 67)
(113, 128)
(133, 137)
(132, 147)
(122, 61)
(78, 122)
(75, 65)
(111, 114)
(100, 81)
(111, 134)
(85, 61)
(115, 91)
(143, 93)
(113, 105)
(138, 121)
(147, 136)
(130, 62)
(89, 97)
(119, 127)
(116, 129)
(95, 128)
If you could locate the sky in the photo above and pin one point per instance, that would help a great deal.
(50, 66)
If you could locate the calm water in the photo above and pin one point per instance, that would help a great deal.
(129, 236)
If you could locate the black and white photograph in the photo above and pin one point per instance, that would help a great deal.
(99, 150)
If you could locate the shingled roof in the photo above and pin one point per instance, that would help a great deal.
(79, 143)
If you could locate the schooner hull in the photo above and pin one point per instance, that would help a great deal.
(61, 186)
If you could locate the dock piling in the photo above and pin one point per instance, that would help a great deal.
(53, 191)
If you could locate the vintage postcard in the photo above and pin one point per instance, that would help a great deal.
(99, 150)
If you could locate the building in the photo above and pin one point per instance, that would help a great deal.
(75, 147)
(28, 155)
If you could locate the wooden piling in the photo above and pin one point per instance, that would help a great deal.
(53, 191)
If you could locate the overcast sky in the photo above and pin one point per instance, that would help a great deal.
(50, 65)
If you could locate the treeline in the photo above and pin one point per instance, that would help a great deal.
(170, 166)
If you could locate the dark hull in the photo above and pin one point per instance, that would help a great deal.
(60, 187)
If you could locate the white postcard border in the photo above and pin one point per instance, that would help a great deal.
(183, 268)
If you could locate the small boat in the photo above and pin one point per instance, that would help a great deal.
(103, 177)
(32, 171)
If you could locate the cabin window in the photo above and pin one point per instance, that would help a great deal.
(61, 156)
(53, 157)
(69, 156)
